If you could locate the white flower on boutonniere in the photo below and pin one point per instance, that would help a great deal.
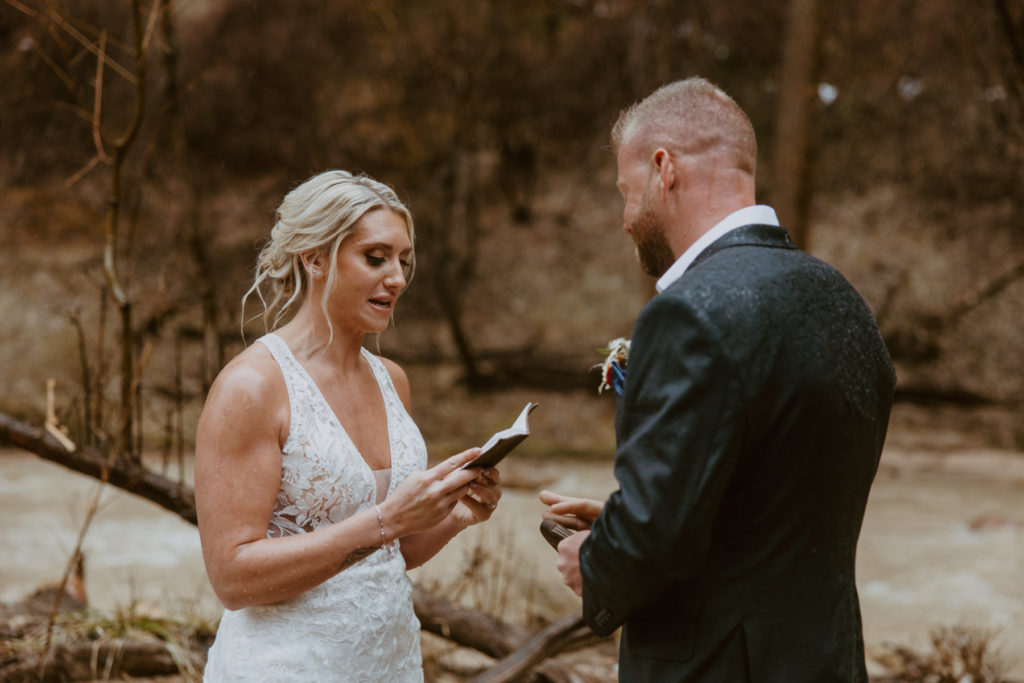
(613, 370)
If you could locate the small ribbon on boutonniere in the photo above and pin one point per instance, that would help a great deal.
(613, 370)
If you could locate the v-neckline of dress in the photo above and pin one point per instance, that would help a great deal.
(337, 421)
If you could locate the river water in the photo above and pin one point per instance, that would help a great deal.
(942, 545)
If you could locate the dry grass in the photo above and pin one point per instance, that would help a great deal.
(105, 639)
(958, 654)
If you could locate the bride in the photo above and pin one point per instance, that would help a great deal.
(311, 487)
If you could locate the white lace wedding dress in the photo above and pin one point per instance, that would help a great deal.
(359, 625)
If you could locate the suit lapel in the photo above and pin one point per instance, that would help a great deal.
(771, 236)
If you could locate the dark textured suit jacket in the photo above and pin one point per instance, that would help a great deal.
(756, 403)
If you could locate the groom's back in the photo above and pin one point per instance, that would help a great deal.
(817, 387)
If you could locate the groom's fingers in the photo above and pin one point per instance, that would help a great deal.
(581, 507)
(571, 507)
(568, 563)
(568, 521)
(550, 497)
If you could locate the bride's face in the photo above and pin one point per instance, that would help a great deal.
(371, 272)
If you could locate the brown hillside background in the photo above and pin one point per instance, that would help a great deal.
(491, 119)
(144, 146)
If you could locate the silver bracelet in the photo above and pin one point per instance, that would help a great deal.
(380, 521)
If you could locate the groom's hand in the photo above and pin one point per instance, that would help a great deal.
(569, 561)
(572, 513)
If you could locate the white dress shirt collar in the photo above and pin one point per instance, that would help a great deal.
(749, 215)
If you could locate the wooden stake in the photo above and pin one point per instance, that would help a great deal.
(52, 425)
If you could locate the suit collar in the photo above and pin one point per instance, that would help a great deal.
(771, 236)
(756, 214)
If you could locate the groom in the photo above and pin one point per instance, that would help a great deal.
(756, 402)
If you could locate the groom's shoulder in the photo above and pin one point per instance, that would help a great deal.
(686, 303)
(733, 285)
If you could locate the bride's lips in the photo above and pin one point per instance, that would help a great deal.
(382, 303)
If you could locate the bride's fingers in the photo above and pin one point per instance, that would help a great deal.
(449, 472)
(454, 486)
(482, 509)
(456, 461)
(489, 475)
(486, 495)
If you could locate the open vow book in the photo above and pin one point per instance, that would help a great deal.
(502, 443)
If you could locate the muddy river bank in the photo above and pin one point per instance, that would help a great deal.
(942, 545)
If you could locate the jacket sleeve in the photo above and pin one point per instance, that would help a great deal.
(680, 430)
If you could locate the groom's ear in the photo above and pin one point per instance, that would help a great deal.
(666, 169)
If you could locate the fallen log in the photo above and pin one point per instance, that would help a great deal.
(556, 638)
(103, 660)
(465, 626)
(124, 473)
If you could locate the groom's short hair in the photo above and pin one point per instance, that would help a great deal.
(691, 117)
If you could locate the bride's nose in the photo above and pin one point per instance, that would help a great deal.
(395, 277)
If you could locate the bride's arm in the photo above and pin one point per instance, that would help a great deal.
(238, 474)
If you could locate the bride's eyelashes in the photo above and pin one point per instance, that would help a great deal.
(377, 261)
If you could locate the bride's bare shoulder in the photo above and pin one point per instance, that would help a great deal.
(250, 386)
(254, 369)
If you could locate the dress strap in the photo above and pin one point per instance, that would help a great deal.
(294, 376)
(383, 377)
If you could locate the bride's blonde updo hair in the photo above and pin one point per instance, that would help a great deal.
(316, 216)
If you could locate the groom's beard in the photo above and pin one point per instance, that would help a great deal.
(652, 247)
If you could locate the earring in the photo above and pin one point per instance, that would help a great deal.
(315, 272)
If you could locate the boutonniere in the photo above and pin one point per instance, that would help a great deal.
(613, 370)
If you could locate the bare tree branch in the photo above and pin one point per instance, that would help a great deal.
(22, 8)
(123, 472)
(82, 172)
(154, 14)
(61, 74)
(986, 291)
(90, 46)
(97, 106)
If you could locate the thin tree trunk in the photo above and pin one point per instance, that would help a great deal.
(114, 203)
(83, 361)
(795, 119)
(212, 352)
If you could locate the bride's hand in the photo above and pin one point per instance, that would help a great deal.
(480, 502)
(572, 513)
(427, 497)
